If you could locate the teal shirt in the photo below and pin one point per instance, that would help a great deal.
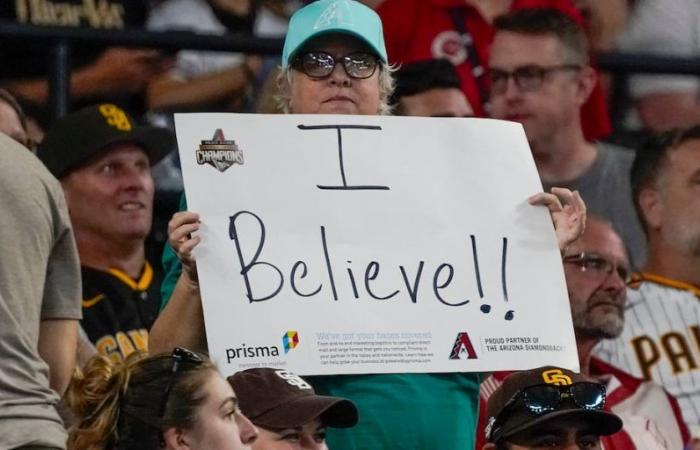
(406, 411)
(397, 411)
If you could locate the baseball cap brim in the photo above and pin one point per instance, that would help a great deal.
(333, 411)
(601, 422)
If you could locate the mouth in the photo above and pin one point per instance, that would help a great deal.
(517, 117)
(607, 304)
(339, 98)
(131, 206)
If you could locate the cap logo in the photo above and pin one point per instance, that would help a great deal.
(332, 15)
(293, 379)
(556, 377)
(115, 117)
(489, 427)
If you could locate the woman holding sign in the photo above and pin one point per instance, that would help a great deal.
(334, 62)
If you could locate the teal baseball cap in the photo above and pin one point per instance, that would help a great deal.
(334, 16)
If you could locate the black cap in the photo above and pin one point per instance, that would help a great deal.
(506, 419)
(75, 139)
(277, 399)
(416, 77)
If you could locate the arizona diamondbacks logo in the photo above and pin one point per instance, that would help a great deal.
(219, 153)
(335, 14)
(463, 348)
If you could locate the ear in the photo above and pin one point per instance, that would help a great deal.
(587, 81)
(651, 207)
(175, 439)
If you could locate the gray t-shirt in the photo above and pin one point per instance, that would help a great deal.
(606, 189)
(39, 280)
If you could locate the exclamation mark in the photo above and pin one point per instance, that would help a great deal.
(504, 284)
(485, 308)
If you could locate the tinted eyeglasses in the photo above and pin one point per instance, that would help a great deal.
(180, 356)
(599, 266)
(526, 78)
(544, 398)
(358, 65)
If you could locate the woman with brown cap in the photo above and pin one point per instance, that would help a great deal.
(286, 410)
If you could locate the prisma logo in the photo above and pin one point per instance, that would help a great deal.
(290, 340)
(463, 348)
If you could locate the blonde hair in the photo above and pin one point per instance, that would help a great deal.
(119, 406)
(285, 79)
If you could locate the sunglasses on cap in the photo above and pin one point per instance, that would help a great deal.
(544, 398)
(359, 65)
(179, 356)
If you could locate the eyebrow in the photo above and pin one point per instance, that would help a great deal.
(232, 400)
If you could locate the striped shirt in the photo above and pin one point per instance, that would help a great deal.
(661, 340)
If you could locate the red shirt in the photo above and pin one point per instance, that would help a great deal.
(416, 30)
(651, 416)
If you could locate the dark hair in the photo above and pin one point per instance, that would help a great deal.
(124, 406)
(650, 161)
(548, 21)
(416, 77)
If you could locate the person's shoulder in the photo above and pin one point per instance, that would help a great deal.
(616, 154)
(21, 167)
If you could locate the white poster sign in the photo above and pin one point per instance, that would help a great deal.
(367, 244)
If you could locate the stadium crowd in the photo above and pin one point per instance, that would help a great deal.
(102, 333)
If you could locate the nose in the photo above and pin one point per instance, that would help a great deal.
(511, 91)
(136, 178)
(247, 430)
(339, 76)
(614, 283)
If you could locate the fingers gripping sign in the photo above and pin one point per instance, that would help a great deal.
(180, 229)
(568, 212)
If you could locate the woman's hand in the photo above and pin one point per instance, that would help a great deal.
(180, 229)
(568, 213)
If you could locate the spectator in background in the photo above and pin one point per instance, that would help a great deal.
(540, 76)
(201, 79)
(115, 74)
(462, 31)
(548, 408)
(662, 319)
(13, 121)
(430, 88)
(288, 413)
(39, 301)
(170, 402)
(596, 270)
(103, 160)
(666, 28)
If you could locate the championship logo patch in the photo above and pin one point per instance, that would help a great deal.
(219, 152)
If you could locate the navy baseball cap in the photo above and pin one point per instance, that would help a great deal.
(78, 137)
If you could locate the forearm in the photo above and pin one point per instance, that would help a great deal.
(167, 92)
(83, 83)
(181, 323)
(58, 342)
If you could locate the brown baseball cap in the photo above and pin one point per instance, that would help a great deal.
(276, 399)
(75, 139)
(526, 400)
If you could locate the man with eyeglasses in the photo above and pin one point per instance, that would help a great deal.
(549, 408)
(540, 76)
(597, 273)
(661, 338)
